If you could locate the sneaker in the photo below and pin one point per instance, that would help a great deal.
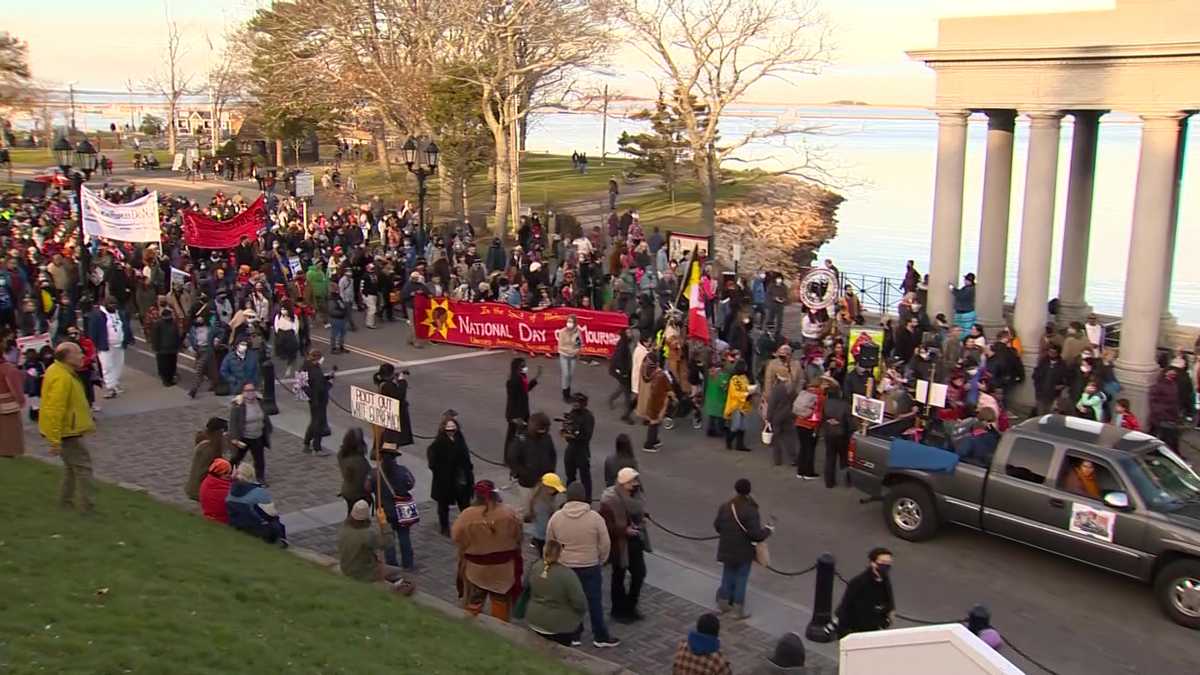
(576, 643)
(811, 477)
(653, 448)
(604, 644)
(110, 393)
(118, 389)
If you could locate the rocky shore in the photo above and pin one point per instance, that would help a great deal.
(780, 224)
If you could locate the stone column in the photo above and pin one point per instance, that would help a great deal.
(1037, 229)
(1149, 253)
(1168, 319)
(946, 240)
(1072, 282)
(993, 229)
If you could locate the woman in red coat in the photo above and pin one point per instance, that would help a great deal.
(214, 489)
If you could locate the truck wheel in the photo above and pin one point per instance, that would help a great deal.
(910, 512)
(1177, 588)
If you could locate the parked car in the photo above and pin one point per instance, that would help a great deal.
(1117, 499)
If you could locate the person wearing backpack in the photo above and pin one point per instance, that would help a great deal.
(808, 409)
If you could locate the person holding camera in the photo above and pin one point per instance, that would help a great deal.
(578, 425)
(316, 387)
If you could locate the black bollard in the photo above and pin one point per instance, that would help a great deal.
(268, 401)
(821, 628)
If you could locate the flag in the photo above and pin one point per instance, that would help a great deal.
(697, 325)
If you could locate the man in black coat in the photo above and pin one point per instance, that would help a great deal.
(740, 528)
(578, 429)
(516, 401)
(166, 341)
(534, 456)
(1049, 379)
(620, 367)
(868, 603)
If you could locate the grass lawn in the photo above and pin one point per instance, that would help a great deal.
(41, 158)
(655, 207)
(146, 588)
(545, 180)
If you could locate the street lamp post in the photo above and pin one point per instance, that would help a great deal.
(84, 157)
(422, 161)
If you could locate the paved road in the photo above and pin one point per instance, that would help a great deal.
(1071, 618)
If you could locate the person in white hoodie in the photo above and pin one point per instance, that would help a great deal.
(639, 355)
(570, 342)
(585, 548)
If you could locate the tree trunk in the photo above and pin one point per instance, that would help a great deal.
(445, 199)
(514, 177)
(452, 189)
(464, 184)
(503, 184)
(278, 152)
(707, 186)
(170, 131)
(216, 129)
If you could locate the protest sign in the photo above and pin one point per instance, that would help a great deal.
(132, 221)
(375, 408)
(34, 342)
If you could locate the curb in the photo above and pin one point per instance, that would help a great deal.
(575, 658)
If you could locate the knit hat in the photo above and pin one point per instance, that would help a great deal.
(551, 480)
(708, 624)
(484, 489)
(220, 467)
(216, 424)
(626, 475)
(361, 510)
(742, 486)
(789, 652)
(576, 493)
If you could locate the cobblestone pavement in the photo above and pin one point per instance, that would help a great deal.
(646, 647)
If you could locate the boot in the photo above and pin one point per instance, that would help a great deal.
(741, 442)
(566, 395)
(740, 613)
(729, 440)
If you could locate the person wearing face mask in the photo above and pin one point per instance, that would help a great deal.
(166, 340)
(250, 430)
(758, 299)
(201, 338)
(449, 461)
(316, 386)
(516, 405)
(240, 366)
(570, 342)
(868, 603)
(111, 332)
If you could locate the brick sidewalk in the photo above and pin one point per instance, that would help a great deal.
(646, 647)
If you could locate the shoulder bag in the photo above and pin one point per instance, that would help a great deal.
(407, 513)
(762, 555)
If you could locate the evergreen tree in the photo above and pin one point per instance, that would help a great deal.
(664, 151)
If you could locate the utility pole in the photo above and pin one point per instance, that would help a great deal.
(604, 126)
(129, 87)
(71, 89)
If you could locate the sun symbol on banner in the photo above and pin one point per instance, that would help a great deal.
(439, 318)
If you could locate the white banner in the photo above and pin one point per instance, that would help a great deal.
(134, 221)
(369, 406)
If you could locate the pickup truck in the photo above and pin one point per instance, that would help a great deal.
(1117, 499)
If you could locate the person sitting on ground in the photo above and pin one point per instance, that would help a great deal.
(557, 603)
(979, 622)
(358, 544)
(214, 490)
(210, 444)
(700, 652)
(251, 509)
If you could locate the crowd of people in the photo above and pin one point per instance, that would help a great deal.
(242, 311)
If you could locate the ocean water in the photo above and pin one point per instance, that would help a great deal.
(882, 161)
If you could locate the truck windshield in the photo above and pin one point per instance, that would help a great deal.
(1164, 480)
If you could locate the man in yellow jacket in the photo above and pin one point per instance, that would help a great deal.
(64, 418)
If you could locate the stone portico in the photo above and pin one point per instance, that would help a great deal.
(1143, 57)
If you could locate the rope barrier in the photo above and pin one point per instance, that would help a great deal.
(682, 536)
(793, 574)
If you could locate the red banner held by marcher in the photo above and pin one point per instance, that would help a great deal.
(493, 325)
(203, 232)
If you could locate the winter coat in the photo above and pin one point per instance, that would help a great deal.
(557, 603)
(614, 510)
(582, 533)
(65, 411)
(516, 404)
(97, 329)
(202, 457)
(1048, 376)
(782, 419)
(570, 341)
(355, 471)
(534, 458)
(213, 492)
(737, 396)
(714, 392)
(166, 338)
(654, 396)
(453, 472)
(238, 371)
(237, 421)
(736, 545)
(1164, 403)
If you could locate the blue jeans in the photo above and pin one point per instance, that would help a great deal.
(737, 421)
(337, 333)
(404, 542)
(734, 581)
(592, 579)
(566, 365)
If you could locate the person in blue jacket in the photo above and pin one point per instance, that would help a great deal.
(251, 510)
(239, 367)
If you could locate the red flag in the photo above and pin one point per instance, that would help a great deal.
(201, 231)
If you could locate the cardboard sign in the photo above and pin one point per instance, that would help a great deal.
(868, 409)
(932, 394)
(178, 277)
(34, 342)
(1092, 522)
(375, 408)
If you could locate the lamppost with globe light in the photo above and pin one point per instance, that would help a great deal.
(85, 160)
(421, 158)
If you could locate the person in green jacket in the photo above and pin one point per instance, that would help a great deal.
(1090, 403)
(715, 386)
(556, 600)
(318, 290)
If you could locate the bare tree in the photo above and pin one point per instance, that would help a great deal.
(225, 78)
(14, 79)
(708, 53)
(509, 49)
(172, 83)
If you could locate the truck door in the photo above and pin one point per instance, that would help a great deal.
(1088, 529)
(1017, 497)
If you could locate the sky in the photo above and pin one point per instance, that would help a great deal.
(102, 45)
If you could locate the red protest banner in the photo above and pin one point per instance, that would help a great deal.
(493, 325)
(203, 232)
